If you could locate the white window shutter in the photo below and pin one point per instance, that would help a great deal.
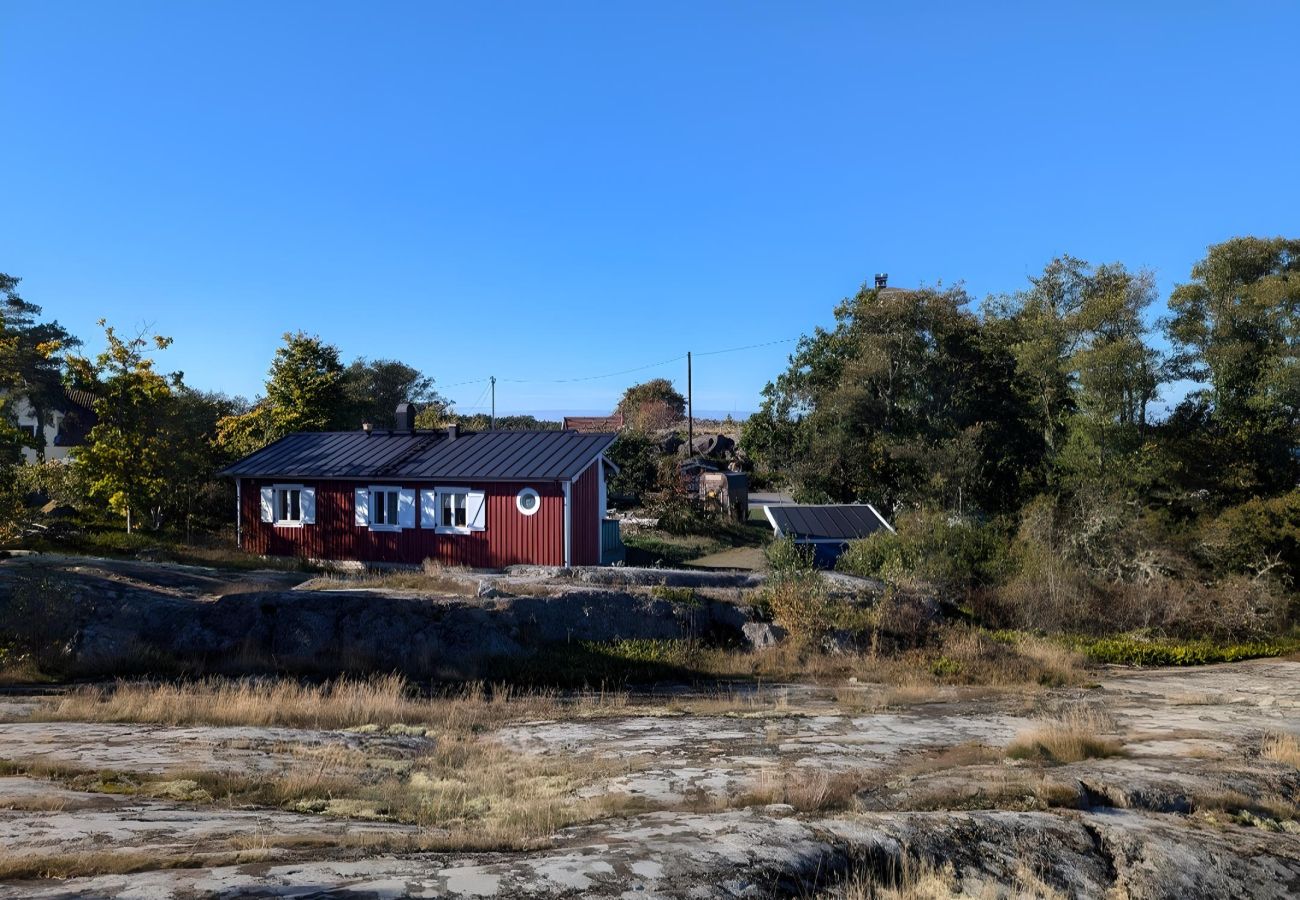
(307, 502)
(363, 506)
(428, 509)
(406, 508)
(476, 511)
(268, 504)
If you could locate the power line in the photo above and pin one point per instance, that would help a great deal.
(592, 377)
(654, 365)
(746, 347)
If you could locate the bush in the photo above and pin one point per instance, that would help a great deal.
(798, 603)
(1255, 537)
(1133, 652)
(1058, 597)
(785, 557)
(930, 547)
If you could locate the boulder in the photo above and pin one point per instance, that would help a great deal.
(762, 635)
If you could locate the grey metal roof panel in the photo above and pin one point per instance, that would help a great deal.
(483, 455)
(843, 521)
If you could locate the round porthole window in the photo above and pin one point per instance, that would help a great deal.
(528, 501)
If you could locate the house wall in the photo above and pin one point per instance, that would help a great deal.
(509, 538)
(584, 535)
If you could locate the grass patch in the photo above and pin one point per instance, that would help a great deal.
(1282, 748)
(384, 701)
(1078, 734)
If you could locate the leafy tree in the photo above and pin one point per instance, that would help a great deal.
(372, 389)
(1236, 329)
(883, 406)
(304, 392)
(127, 456)
(440, 417)
(1083, 365)
(637, 457)
(652, 405)
(31, 364)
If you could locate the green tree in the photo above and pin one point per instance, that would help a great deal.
(652, 405)
(127, 456)
(905, 401)
(1236, 329)
(31, 365)
(304, 392)
(1083, 364)
(372, 389)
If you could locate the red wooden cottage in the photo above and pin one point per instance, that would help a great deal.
(482, 499)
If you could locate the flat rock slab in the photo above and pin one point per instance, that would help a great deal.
(156, 749)
(77, 822)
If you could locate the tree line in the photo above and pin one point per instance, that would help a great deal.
(1027, 431)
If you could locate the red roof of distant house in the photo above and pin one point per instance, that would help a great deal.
(594, 424)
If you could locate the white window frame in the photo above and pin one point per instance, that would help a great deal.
(519, 501)
(385, 490)
(276, 491)
(450, 491)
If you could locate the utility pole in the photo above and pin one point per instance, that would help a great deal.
(493, 380)
(690, 409)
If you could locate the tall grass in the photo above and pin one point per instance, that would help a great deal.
(1077, 734)
(1283, 748)
(345, 703)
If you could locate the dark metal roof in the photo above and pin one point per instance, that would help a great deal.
(479, 456)
(831, 522)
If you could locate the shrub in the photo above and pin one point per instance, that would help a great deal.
(1255, 537)
(785, 557)
(798, 604)
(1133, 652)
(930, 547)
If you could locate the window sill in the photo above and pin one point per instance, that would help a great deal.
(288, 524)
(385, 527)
(452, 529)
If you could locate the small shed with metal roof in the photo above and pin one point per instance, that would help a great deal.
(826, 528)
(481, 499)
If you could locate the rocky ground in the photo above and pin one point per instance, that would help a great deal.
(1188, 808)
(765, 791)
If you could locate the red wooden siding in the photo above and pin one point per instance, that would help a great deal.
(510, 537)
(584, 537)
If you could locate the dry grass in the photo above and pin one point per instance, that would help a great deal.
(1077, 734)
(913, 880)
(1281, 747)
(431, 578)
(920, 879)
(807, 790)
(382, 701)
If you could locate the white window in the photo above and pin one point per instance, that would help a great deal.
(289, 505)
(453, 510)
(528, 501)
(384, 508)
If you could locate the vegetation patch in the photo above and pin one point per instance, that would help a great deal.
(1078, 734)
(1130, 651)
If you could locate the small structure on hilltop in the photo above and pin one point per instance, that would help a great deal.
(826, 528)
(483, 499)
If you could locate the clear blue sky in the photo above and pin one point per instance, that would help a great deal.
(549, 190)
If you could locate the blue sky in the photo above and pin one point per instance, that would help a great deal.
(547, 191)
